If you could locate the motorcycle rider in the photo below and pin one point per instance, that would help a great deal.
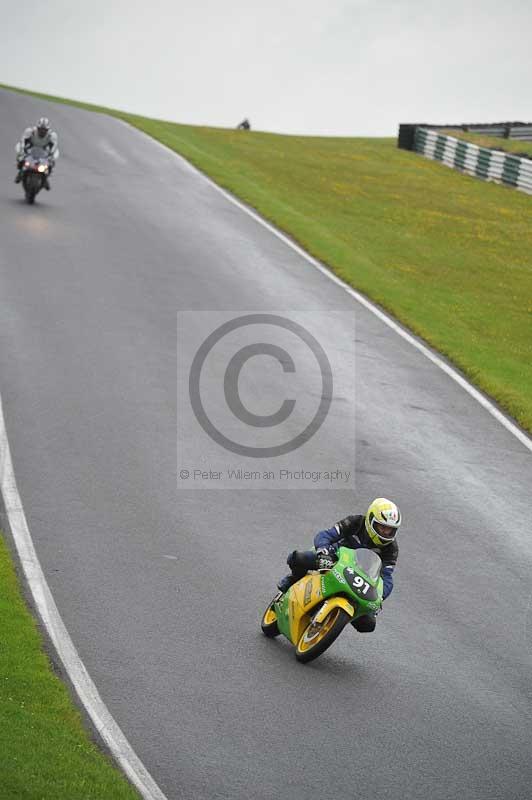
(376, 530)
(42, 136)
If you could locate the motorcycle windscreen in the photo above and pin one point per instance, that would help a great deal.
(39, 154)
(369, 562)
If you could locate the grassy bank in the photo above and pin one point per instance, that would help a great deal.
(447, 254)
(45, 752)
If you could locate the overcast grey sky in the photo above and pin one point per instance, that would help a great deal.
(349, 67)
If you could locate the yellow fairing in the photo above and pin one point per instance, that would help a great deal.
(304, 597)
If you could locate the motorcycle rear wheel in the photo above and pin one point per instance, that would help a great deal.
(269, 623)
(318, 637)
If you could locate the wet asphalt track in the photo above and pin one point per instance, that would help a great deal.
(437, 703)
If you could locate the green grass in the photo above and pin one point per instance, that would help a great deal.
(510, 145)
(447, 254)
(45, 752)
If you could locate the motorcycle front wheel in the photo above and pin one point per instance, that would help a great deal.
(317, 637)
(31, 187)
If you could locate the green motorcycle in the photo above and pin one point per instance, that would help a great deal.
(316, 609)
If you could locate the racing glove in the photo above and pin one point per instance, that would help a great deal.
(324, 558)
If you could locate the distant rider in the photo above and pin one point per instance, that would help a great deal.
(376, 530)
(42, 136)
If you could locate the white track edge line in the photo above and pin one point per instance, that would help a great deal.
(86, 690)
(482, 399)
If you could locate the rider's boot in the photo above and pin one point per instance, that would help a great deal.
(365, 624)
(285, 583)
(46, 184)
(18, 176)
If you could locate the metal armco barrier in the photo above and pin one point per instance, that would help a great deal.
(503, 130)
(481, 162)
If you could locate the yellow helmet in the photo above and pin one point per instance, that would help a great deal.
(382, 521)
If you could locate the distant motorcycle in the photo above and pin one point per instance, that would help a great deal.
(35, 170)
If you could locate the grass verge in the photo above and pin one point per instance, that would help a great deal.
(447, 254)
(45, 752)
